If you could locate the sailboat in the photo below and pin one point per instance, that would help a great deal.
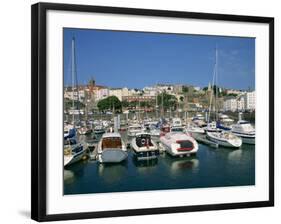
(73, 151)
(214, 134)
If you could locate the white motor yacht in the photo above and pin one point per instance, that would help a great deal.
(245, 131)
(194, 129)
(111, 148)
(144, 147)
(99, 130)
(179, 144)
(73, 151)
(134, 129)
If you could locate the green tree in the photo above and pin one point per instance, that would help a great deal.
(205, 88)
(169, 101)
(110, 103)
(185, 89)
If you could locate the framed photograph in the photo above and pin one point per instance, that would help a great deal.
(140, 111)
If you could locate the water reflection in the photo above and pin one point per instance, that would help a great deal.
(144, 163)
(235, 155)
(68, 176)
(111, 173)
(178, 164)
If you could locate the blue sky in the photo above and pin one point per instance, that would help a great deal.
(137, 59)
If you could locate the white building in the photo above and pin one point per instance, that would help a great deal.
(74, 95)
(150, 91)
(119, 92)
(250, 102)
(101, 94)
(134, 92)
(230, 105)
(241, 103)
(163, 87)
(116, 92)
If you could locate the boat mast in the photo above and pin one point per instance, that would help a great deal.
(73, 78)
(216, 105)
(162, 103)
(156, 102)
(212, 89)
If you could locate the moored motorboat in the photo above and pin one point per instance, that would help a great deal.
(164, 130)
(144, 147)
(245, 131)
(176, 122)
(111, 148)
(85, 131)
(134, 129)
(73, 151)
(199, 120)
(191, 129)
(155, 132)
(225, 139)
(99, 130)
(179, 144)
(69, 131)
(224, 122)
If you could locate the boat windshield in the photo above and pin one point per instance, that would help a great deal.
(143, 140)
(165, 129)
(135, 128)
(177, 130)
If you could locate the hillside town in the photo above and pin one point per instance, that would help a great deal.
(167, 97)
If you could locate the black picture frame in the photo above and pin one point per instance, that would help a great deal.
(39, 115)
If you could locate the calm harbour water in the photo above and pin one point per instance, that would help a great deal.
(209, 168)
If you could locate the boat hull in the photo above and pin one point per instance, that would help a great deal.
(225, 143)
(112, 156)
(173, 152)
(173, 148)
(71, 159)
(246, 139)
(146, 155)
(143, 153)
(250, 141)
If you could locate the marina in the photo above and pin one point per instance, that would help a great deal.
(158, 136)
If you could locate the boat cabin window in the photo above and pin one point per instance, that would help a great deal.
(111, 143)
